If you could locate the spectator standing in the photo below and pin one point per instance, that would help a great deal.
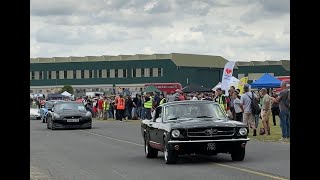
(265, 102)
(236, 104)
(245, 104)
(129, 106)
(284, 106)
(275, 108)
(148, 106)
(100, 107)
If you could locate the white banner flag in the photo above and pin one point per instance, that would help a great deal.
(227, 75)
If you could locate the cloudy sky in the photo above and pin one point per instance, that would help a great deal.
(238, 30)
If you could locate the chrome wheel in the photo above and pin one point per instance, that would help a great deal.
(146, 148)
(166, 154)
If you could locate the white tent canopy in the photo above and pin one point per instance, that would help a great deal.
(233, 82)
(66, 94)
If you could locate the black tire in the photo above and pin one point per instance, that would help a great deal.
(48, 127)
(170, 157)
(238, 154)
(53, 127)
(149, 151)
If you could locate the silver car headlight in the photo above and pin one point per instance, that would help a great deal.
(88, 114)
(175, 133)
(56, 116)
(243, 131)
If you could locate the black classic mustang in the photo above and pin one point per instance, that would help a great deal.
(193, 127)
(69, 114)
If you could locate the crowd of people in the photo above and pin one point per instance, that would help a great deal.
(248, 107)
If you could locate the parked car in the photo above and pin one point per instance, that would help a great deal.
(34, 113)
(45, 108)
(69, 114)
(193, 127)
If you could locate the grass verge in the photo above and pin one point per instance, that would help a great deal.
(274, 137)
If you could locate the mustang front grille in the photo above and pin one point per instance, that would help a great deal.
(211, 132)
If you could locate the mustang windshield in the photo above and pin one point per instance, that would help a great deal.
(194, 111)
(70, 106)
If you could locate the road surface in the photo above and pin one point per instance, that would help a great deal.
(114, 150)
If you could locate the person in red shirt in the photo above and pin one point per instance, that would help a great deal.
(100, 108)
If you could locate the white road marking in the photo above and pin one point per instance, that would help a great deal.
(123, 176)
(112, 138)
(219, 164)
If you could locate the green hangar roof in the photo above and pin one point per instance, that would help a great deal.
(182, 60)
(284, 63)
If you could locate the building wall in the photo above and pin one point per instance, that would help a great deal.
(255, 72)
(104, 66)
(207, 77)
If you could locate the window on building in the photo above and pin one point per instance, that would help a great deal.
(116, 73)
(151, 72)
(124, 73)
(108, 73)
(41, 75)
(90, 74)
(31, 91)
(99, 73)
(50, 75)
(65, 74)
(142, 72)
(134, 73)
(57, 75)
(32, 75)
(159, 72)
(74, 74)
(82, 74)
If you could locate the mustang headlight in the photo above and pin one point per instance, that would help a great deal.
(88, 114)
(243, 131)
(175, 133)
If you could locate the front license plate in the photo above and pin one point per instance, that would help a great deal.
(72, 120)
(211, 146)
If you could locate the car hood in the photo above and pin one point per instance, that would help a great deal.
(199, 123)
(71, 113)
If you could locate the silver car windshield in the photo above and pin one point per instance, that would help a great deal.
(193, 111)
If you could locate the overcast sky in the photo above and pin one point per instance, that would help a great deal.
(238, 30)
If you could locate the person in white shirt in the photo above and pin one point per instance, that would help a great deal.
(237, 108)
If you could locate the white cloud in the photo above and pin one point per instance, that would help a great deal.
(234, 29)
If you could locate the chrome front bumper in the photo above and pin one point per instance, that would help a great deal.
(204, 141)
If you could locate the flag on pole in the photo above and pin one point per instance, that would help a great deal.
(242, 82)
(227, 75)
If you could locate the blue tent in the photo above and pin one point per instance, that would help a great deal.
(266, 81)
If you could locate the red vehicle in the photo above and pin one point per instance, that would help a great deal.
(166, 88)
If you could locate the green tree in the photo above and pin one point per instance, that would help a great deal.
(67, 88)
